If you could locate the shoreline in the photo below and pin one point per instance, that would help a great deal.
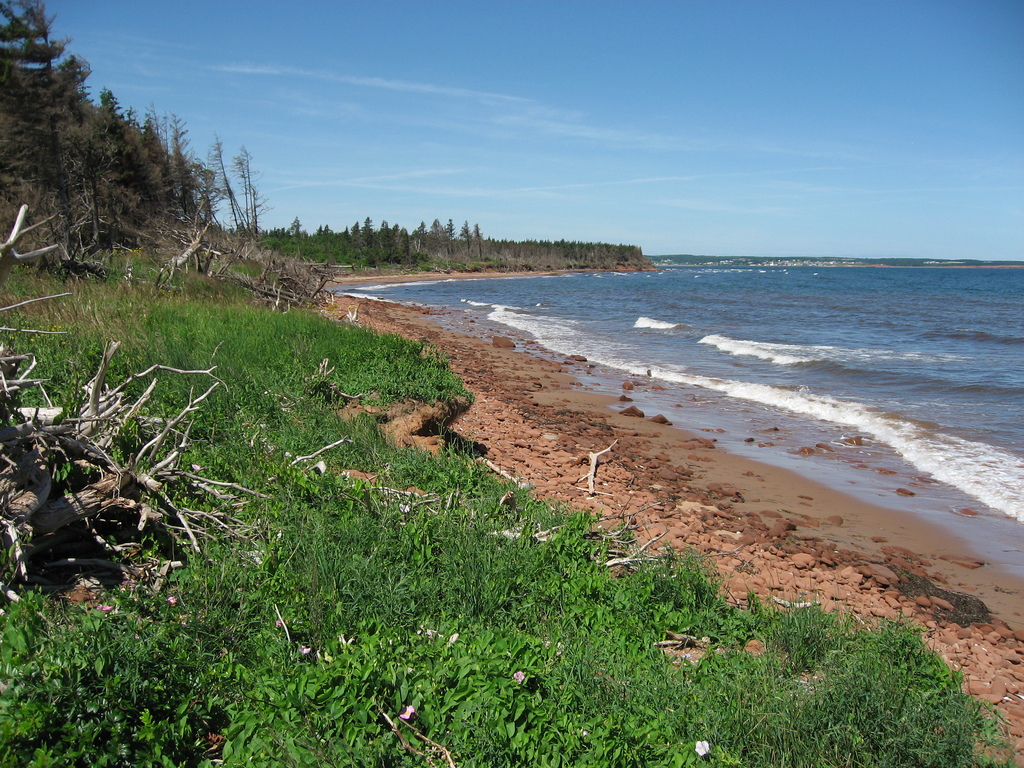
(770, 532)
(869, 528)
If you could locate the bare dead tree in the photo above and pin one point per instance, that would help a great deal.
(253, 204)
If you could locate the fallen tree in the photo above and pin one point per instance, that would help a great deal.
(72, 514)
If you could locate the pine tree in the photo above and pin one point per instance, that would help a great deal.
(41, 99)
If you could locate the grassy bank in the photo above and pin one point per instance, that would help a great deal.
(352, 623)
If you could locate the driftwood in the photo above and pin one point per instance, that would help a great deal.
(286, 282)
(591, 476)
(639, 555)
(9, 256)
(62, 532)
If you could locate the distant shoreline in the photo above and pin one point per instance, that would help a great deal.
(786, 264)
(366, 277)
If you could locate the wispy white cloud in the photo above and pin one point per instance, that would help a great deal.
(705, 205)
(387, 181)
(370, 82)
(644, 180)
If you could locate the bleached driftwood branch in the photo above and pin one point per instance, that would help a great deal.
(313, 455)
(34, 522)
(591, 476)
(9, 256)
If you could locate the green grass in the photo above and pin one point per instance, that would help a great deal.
(511, 650)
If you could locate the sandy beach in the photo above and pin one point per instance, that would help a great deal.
(770, 532)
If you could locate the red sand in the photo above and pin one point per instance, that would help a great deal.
(769, 531)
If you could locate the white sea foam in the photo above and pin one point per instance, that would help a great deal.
(783, 354)
(991, 475)
(475, 303)
(658, 325)
(794, 354)
(556, 334)
(367, 296)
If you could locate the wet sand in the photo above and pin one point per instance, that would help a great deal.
(770, 532)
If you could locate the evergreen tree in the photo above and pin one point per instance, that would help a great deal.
(41, 100)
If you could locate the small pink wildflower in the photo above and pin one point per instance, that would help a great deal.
(305, 650)
(519, 677)
(702, 748)
(172, 600)
(408, 713)
(279, 623)
(105, 608)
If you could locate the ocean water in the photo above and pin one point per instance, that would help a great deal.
(924, 368)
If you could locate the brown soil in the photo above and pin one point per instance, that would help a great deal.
(770, 532)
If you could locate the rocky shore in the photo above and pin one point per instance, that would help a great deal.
(770, 533)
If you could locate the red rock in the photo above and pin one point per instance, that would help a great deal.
(883, 575)
(781, 529)
(659, 419)
(904, 492)
(502, 342)
(632, 411)
(754, 647)
(938, 602)
(802, 560)
(963, 562)
(834, 519)
(624, 399)
(627, 385)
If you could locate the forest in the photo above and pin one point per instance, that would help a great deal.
(441, 245)
(109, 178)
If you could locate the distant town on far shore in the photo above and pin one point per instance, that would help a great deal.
(691, 260)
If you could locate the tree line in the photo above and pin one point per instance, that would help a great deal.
(109, 176)
(366, 245)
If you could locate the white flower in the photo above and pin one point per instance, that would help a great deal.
(702, 748)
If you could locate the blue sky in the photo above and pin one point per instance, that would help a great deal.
(745, 128)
